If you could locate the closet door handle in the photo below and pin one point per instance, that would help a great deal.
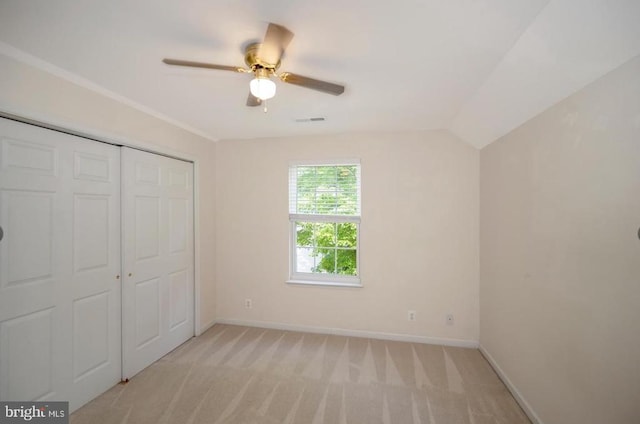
(1, 233)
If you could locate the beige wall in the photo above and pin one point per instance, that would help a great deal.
(560, 255)
(32, 93)
(419, 235)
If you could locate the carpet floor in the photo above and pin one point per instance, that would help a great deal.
(237, 375)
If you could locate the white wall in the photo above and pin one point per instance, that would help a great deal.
(419, 235)
(560, 255)
(34, 94)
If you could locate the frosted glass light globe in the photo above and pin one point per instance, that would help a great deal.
(262, 88)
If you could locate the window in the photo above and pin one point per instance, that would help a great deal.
(324, 213)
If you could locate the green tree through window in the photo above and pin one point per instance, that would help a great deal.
(334, 245)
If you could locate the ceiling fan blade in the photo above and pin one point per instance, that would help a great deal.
(253, 100)
(314, 84)
(203, 65)
(275, 42)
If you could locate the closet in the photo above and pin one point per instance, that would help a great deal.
(96, 262)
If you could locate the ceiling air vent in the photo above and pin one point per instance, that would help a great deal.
(316, 119)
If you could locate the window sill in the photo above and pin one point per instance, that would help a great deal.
(324, 283)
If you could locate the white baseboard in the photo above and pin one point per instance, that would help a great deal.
(352, 333)
(514, 391)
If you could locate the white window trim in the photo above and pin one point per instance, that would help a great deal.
(319, 279)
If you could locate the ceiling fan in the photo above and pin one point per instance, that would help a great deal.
(263, 60)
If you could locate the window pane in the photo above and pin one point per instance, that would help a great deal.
(347, 190)
(326, 177)
(346, 262)
(325, 261)
(325, 234)
(305, 261)
(346, 175)
(325, 190)
(347, 235)
(304, 234)
(325, 202)
(306, 189)
(306, 205)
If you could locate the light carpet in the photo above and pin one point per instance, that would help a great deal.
(236, 375)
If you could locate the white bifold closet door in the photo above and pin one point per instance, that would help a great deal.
(158, 289)
(60, 298)
(71, 325)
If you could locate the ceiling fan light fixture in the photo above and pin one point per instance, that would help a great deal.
(262, 87)
(263, 61)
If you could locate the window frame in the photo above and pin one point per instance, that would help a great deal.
(324, 279)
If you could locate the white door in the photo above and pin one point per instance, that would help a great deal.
(158, 285)
(60, 335)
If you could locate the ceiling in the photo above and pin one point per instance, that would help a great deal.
(479, 68)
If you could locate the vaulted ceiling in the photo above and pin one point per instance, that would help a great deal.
(479, 68)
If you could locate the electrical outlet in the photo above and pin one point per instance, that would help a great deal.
(449, 319)
(411, 315)
(248, 304)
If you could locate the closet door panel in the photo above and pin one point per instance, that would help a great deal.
(95, 273)
(59, 263)
(158, 290)
(35, 263)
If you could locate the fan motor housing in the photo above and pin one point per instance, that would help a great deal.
(253, 61)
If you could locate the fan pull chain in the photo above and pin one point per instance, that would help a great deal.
(265, 106)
